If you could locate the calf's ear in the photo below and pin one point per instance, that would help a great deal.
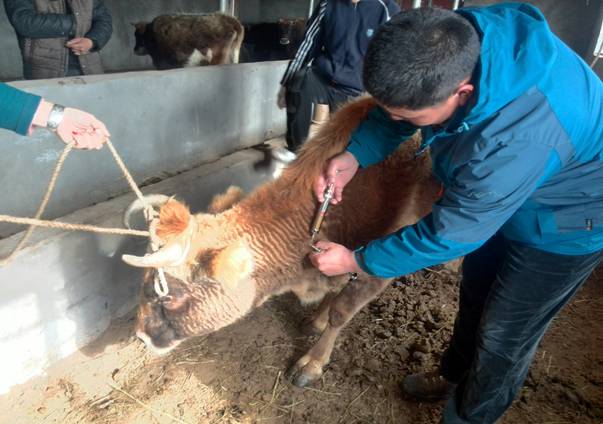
(232, 265)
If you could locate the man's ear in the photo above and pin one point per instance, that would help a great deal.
(232, 265)
(464, 91)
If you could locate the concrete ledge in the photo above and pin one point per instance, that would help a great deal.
(64, 288)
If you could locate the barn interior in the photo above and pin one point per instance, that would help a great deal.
(69, 352)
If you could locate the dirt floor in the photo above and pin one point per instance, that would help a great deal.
(237, 374)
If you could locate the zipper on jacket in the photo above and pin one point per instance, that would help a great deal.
(442, 133)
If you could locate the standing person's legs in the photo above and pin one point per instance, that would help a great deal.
(335, 97)
(304, 90)
(529, 290)
(338, 96)
(479, 271)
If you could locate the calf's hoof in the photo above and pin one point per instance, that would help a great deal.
(305, 372)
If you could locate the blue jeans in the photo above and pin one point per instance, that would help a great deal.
(509, 294)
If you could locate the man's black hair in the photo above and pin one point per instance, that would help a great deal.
(419, 57)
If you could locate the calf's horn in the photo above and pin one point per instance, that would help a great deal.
(170, 255)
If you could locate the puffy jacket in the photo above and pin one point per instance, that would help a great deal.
(44, 26)
(337, 36)
(526, 159)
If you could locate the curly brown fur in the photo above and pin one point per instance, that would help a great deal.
(173, 219)
(226, 200)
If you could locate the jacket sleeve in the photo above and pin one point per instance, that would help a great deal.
(310, 45)
(17, 109)
(102, 25)
(28, 23)
(377, 136)
(483, 196)
(393, 8)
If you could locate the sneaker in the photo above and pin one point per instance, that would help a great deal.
(428, 385)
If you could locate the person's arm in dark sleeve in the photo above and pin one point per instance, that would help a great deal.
(17, 109)
(484, 195)
(23, 16)
(377, 136)
(310, 44)
(102, 26)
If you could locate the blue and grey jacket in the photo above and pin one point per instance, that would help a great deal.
(336, 38)
(525, 159)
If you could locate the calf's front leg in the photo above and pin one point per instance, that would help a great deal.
(343, 307)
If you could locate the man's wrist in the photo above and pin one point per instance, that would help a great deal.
(359, 259)
(55, 116)
(42, 112)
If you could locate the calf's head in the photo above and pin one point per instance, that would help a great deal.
(291, 31)
(209, 282)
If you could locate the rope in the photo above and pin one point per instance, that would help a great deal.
(125, 171)
(49, 190)
(72, 227)
(37, 222)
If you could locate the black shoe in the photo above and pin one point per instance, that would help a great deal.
(428, 385)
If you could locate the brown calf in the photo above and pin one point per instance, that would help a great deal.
(223, 264)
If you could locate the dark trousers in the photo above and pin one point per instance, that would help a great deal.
(306, 88)
(509, 294)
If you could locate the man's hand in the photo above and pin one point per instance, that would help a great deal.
(334, 259)
(77, 126)
(82, 128)
(280, 98)
(340, 171)
(80, 46)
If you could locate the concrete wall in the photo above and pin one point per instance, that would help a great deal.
(63, 289)
(575, 22)
(161, 123)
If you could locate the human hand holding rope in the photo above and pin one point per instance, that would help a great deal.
(75, 126)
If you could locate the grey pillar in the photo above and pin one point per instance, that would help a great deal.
(227, 7)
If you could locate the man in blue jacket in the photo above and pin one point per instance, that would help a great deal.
(327, 68)
(512, 118)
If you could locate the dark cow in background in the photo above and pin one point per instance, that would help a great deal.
(291, 34)
(179, 41)
(272, 40)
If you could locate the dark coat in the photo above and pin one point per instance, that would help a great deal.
(43, 27)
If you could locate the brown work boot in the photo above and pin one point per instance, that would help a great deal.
(427, 385)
